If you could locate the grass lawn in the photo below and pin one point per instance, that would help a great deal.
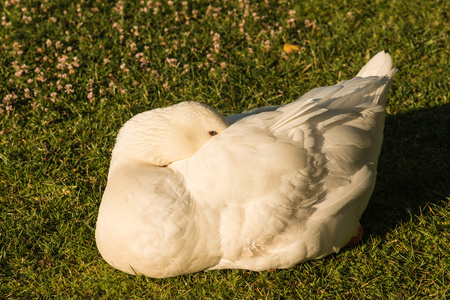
(72, 72)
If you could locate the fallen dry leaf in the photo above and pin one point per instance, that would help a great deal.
(288, 48)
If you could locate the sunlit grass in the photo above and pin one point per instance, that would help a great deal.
(72, 72)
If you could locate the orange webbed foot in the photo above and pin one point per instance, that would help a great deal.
(354, 240)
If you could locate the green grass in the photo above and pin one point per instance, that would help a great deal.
(72, 72)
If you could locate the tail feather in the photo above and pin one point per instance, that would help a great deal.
(379, 65)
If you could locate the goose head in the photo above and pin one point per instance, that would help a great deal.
(161, 136)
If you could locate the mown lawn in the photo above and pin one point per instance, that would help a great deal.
(72, 72)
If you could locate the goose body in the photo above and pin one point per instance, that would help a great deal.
(189, 190)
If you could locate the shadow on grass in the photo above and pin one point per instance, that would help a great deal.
(413, 169)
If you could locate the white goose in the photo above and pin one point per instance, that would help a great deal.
(188, 192)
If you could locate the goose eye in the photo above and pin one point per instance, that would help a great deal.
(213, 133)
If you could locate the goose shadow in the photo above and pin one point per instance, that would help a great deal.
(413, 168)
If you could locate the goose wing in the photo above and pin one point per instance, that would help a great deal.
(277, 172)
